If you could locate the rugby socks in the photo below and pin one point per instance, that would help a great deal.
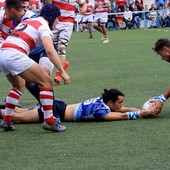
(106, 35)
(12, 100)
(46, 99)
(98, 28)
(34, 90)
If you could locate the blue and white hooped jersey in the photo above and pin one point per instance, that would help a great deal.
(28, 15)
(91, 109)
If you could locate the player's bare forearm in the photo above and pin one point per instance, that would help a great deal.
(167, 93)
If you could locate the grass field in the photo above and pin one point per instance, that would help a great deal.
(127, 63)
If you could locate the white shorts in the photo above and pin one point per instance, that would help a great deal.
(63, 31)
(14, 62)
(101, 16)
(87, 18)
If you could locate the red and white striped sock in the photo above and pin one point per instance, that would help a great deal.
(12, 100)
(47, 98)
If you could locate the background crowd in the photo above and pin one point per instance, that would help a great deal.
(122, 14)
(127, 14)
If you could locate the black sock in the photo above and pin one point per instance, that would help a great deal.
(2, 106)
(34, 90)
(1, 114)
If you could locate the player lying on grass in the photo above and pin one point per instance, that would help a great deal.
(107, 107)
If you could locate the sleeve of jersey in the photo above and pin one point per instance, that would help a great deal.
(100, 113)
(44, 30)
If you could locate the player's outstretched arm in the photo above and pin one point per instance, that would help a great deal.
(130, 115)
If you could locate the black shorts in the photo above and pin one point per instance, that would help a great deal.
(59, 108)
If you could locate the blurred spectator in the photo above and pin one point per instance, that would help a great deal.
(146, 13)
(152, 12)
(131, 5)
(160, 3)
(136, 17)
(139, 4)
(121, 4)
(128, 18)
(119, 18)
(165, 22)
(153, 23)
(111, 16)
(162, 17)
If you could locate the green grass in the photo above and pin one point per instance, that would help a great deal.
(127, 63)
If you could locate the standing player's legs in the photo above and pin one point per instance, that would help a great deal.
(37, 74)
(100, 21)
(16, 66)
(89, 25)
(62, 35)
(42, 59)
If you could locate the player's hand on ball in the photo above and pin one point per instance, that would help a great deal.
(150, 108)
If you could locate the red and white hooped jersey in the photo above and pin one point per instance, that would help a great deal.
(67, 8)
(5, 25)
(27, 35)
(90, 7)
(101, 2)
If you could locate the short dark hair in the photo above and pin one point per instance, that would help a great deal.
(111, 94)
(17, 4)
(162, 42)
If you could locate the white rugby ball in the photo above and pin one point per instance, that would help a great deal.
(147, 104)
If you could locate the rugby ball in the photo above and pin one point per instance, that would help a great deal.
(147, 104)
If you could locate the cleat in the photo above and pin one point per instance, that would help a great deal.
(91, 36)
(57, 127)
(7, 127)
(57, 79)
(106, 41)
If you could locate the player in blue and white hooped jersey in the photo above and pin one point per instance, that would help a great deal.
(107, 107)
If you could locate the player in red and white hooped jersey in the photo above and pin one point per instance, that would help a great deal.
(101, 17)
(2, 4)
(6, 26)
(63, 31)
(18, 67)
(87, 19)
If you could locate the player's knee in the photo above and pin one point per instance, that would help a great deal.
(46, 81)
(62, 51)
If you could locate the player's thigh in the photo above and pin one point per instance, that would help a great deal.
(37, 75)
